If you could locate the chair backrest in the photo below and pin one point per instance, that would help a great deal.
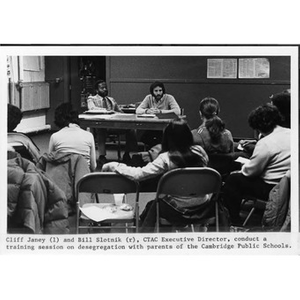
(106, 183)
(190, 182)
(277, 206)
(24, 145)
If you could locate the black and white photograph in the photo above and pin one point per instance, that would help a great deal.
(149, 150)
(152, 149)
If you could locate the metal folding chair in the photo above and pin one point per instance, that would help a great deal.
(191, 182)
(106, 215)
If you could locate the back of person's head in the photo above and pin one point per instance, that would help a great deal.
(156, 84)
(215, 127)
(14, 117)
(209, 107)
(64, 115)
(264, 118)
(283, 102)
(178, 141)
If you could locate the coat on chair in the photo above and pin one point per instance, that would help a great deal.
(65, 169)
(34, 203)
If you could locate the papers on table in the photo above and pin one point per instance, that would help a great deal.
(240, 147)
(146, 116)
(95, 116)
(242, 160)
(100, 111)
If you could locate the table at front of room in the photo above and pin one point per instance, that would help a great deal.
(126, 121)
(123, 121)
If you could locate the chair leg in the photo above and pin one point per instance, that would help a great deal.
(119, 147)
(217, 216)
(192, 228)
(157, 216)
(249, 215)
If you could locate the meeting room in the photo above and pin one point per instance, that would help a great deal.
(193, 140)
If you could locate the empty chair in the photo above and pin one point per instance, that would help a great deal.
(104, 214)
(192, 183)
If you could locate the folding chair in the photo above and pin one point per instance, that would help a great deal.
(104, 215)
(253, 204)
(24, 145)
(191, 182)
(275, 209)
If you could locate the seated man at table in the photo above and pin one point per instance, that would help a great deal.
(157, 102)
(101, 100)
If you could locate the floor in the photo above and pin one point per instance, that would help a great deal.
(42, 141)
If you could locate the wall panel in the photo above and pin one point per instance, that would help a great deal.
(129, 79)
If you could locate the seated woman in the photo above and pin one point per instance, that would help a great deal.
(283, 102)
(268, 164)
(178, 151)
(71, 138)
(211, 134)
(71, 154)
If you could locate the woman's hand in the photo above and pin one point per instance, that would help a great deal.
(110, 167)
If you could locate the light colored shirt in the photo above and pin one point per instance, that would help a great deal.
(73, 139)
(94, 102)
(271, 158)
(159, 166)
(167, 102)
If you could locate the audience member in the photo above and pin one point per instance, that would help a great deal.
(268, 164)
(71, 138)
(101, 100)
(283, 102)
(157, 102)
(178, 151)
(14, 117)
(211, 134)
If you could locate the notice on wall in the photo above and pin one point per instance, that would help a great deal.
(222, 68)
(254, 68)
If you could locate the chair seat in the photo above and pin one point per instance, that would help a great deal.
(107, 212)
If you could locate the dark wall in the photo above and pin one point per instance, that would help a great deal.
(57, 75)
(129, 79)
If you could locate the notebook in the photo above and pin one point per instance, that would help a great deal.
(167, 116)
(99, 112)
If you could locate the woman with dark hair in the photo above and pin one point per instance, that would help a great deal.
(178, 151)
(268, 164)
(283, 102)
(71, 138)
(211, 134)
